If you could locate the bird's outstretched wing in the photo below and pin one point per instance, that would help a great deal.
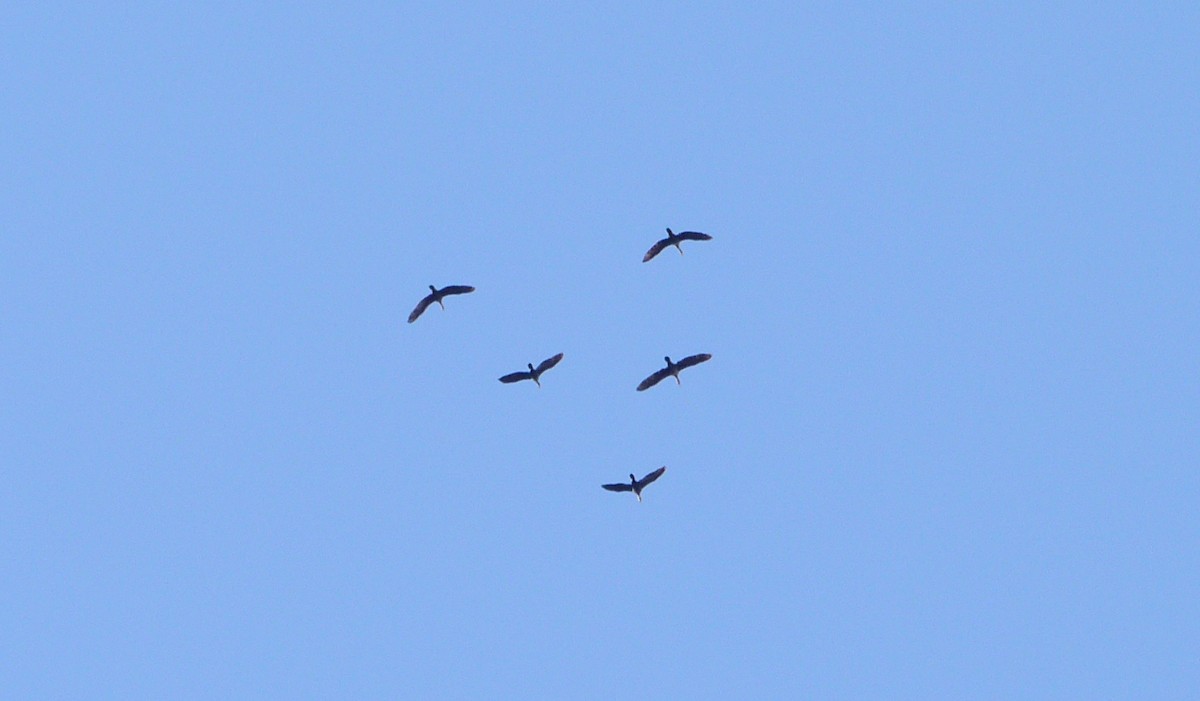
(619, 487)
(652, 476)
(420, 308)
(548, 363)
(693, 360)
(516, 377)
(693, 236)
(656, 249)
(653, 379)
(456, 289)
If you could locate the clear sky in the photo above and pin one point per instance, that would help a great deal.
(946, 447)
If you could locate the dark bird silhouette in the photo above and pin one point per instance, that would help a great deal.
(636, 485)
(673, 239)
(436, 295)
(534, 373)
(672, 370)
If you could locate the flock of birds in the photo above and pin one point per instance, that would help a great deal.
(672, 369)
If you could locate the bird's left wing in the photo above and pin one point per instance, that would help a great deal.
(693, 236)
(515, 377)
(457, 289)
(619, 487)
(694, 360)
(652, 476)
(548, 363)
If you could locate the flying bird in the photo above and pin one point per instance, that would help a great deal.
(436, 295)
(636, 485)
(534, 373)
(672, 370)
(673, 239)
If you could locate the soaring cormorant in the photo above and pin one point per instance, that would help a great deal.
(436, 295)
(672, 370)
(673, 239)
(534, 373)
(636, 485)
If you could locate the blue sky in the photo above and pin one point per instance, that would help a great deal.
(946, 446)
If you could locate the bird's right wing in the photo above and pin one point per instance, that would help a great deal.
(619, 487)
(652, 476)
(515, 377)
(457, 289)
(420, 308)
(656, 249)
(653, 379)
(694, 360)
(548, 363)
(693, 236)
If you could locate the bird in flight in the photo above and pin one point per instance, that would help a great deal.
(436, 295)
(636, 485)
(673, 239)
(534, 373)
(672, 370)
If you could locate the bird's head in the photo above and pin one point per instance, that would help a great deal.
(432, 288)
(632, 478)
(669, 232)
(530, 366)
(667, 358)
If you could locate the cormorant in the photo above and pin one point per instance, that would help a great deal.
(673, 239)
(672, 370)
(436, 295)
(534, 373)
(636, 485)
